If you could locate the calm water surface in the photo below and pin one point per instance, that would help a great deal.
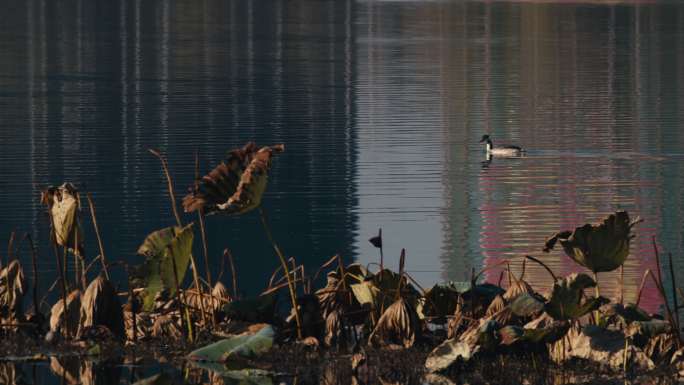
(380, 106)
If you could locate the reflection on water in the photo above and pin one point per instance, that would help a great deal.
(380, 106)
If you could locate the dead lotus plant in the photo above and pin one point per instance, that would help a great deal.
(12, 289)
(100, 306)
(63, 206)
(236, 186)
(61, 325)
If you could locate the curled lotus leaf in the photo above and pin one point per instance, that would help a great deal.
(63, 205)
(237, 185)
(100, 306)
(517, 288)
(602, 346)
(399, 324)
(73, 302)
(627, 313)
(440, 301)
(12, 289)
(481, 337)
(601, 247)
(527, 305)
(379, 291)
(160, 249)
(566, 301)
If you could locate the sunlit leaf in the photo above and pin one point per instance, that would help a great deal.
(399, 324)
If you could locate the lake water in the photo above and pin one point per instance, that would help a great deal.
(380, 105)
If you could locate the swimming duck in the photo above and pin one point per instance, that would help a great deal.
(500, 151)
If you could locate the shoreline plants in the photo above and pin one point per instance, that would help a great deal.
(356, 309)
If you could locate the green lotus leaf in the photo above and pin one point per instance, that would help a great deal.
(160, 249)
(243, 346)
(566, 298)
(599, 248)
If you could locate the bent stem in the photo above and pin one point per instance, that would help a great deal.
(290, 284)
(597, 293)
(172, 196)
(97, 235)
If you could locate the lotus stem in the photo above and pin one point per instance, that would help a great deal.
(205, 249)
(543, 265)
(103, 259)
(382, 257)
(172, 196)
(290, 284)
(179, 299)
(169, 182)
(659, 284)
(9, 248)
(674, 295)
(34, 264)
(131, 301)
(641, 286)
(622, 283)
(62, 277)
(402, 260)
(229, 256)
(597, 293)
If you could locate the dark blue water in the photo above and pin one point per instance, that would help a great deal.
(380, 106)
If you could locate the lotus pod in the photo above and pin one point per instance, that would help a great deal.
(599, 248)
(236, 185)
(12, 289)
(157, 273)
(73, 301)
(399, 324)
(100, 306)
(63, 205)
(566, 298)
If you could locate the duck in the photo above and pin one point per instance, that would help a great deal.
(500, 151)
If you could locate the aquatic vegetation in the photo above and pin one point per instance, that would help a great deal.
(243, 346)
(167, 252)
(599, 248)
(358, 309)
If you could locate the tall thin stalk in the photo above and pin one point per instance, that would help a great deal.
(172, 196)
(283, 262)
(179, 299)
(103, 259)
(227, 254)
(34, 264)
(62, 279)
(200, 215)
(674, 293)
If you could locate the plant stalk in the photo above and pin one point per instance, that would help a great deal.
(103, 259)
(64, 291)
(34, 264)
(205, 249)
(172, 196)
(283, 262)
(229, 255)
